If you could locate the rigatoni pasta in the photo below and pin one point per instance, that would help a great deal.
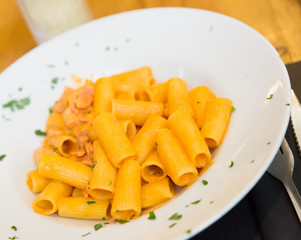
(188, 133)
(120, 145)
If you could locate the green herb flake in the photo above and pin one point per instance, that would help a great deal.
(270, 97)
(98, 226)
(188, 231)
(2, 157)
(205, 182)
(152, 216)
(86, 234)
(54, 149)
(16, 104)
(132, 216)
(268, 143)
(252, 161)
(176, 216)
(20, 89)
(233, 109)
(287, 104)
(40, 133)
(196, 202)
(231, 164)
(211, 202)
(156, 144)
(103, 218)
(122, 221)
(90, 202)
(117, 210)
(13, 238)
(107, 48)
(66, 63)
(172, 225)
(94, 164)
(50, 110)
(106, 223)
(54, 80)
(14, 228)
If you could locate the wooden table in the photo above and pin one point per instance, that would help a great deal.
(278, 20)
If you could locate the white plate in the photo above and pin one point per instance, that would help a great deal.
(202, 47)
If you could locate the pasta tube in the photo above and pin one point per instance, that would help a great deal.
(154, 93)
(39, 152)
(126, 203)
(198, 98)
(129, 128)
(177, 94)
(174, 158)
(66, 170)
(78, 192)
(113, 139)
(137, 111)
(144, 141)
(152, 169)
(103, 175)
(64, 145)
(47, 201)
(84, 208)
(155, 193)
(35, 182)
(104, 93)
(216, 120)
(189, 135)
(125, 96)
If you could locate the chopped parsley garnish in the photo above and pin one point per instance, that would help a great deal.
(268, 143)
(103, 218)
(270, 97)
(106, 223)
(287, 104)
(252, 161)
(66, 63)
(86, 234)
(97, 226)
(54, 149)
(172, 225)
(122, 221)
(152, 216)
(40, 133)
(94, 164)
(176, 216)
(13, 238)
(196, 202)
(233, 109)
(204, 182)
(188, 231)
(117, 210)
(156, 144)
(54, 80)
(20, 89)
(132, 216)
(50, 110)
(211, 202)
(231, 164)
(2, 157)
(107, 48)
(14, 228)
(90, 202)
(16, 104)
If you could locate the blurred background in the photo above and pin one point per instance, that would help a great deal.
(278, 20)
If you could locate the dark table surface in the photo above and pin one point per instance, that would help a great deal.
(266, 213)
